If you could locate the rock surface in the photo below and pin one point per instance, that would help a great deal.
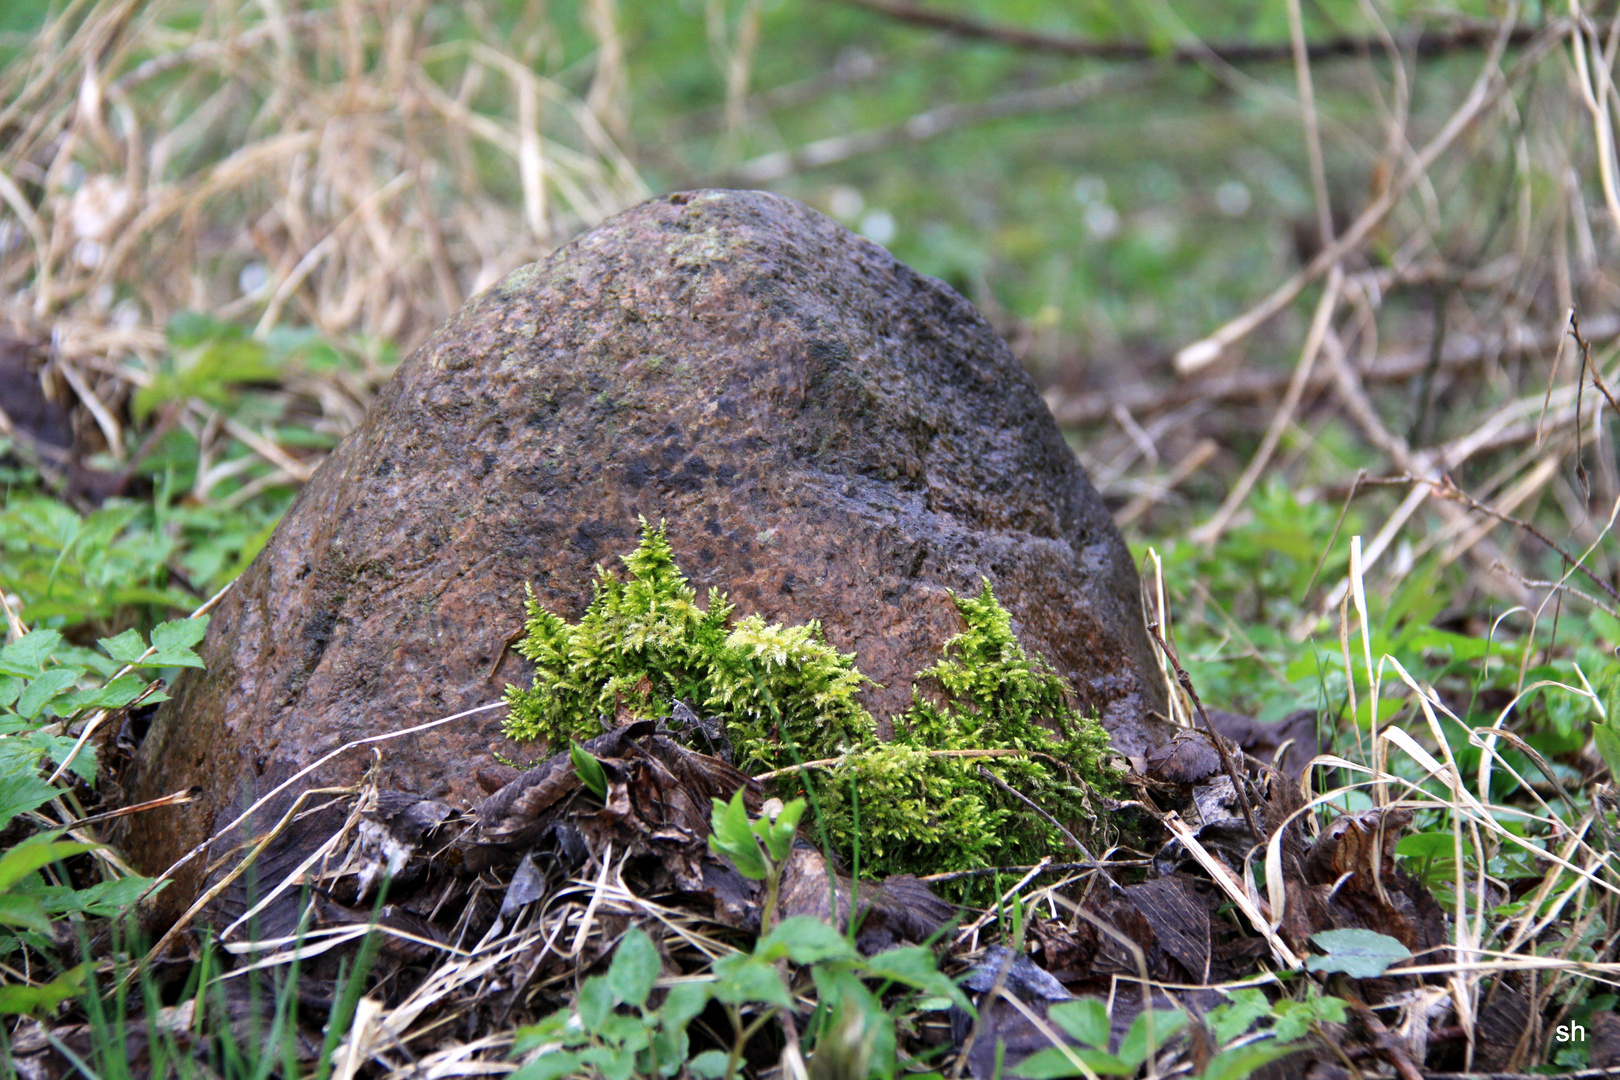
(828, 434)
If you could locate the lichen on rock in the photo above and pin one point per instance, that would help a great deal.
(915, 804)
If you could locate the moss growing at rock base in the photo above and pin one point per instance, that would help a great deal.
(786, 696)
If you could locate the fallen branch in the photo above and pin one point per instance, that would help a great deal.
(937, 122)
(1487, 90)
(1459, 353)
(1464, 37)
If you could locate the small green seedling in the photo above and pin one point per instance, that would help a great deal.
(757, 848)
(612, 1031)
(589, 770)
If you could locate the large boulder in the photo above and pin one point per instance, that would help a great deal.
(828, 435)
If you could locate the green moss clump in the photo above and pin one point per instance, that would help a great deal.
(786, 696)
(924, 812)
(645, 641)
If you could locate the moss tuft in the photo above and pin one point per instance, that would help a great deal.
(787, 696)
(645, 641)
(921, 811)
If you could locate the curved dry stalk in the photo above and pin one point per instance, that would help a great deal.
(1491, 83)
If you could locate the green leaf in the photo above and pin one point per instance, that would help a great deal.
(635, 965)
(126, 648)
(115, 695)
(1167, 1023)
(1230, 1021)
(173, 641)
(589, 770)
(104, 899)
(1360, 954)
(33, 853)
(39, 693)
(1052, 1063)
(553, 1028)
(804, 939)
(1240, 1063)
(43, 999)
(732, 837)
(549, 1066)
(669, 1050)
(594, 1003)
(740, 980)
(778, 834)
(709, 1064)
(1608, 744)
(683, 1003)
(21, 792)
(27, 655)
(1294, 1018)
(1085, 1020)
(915, 966)
(24, 911)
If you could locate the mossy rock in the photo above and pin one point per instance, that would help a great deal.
(918, 803)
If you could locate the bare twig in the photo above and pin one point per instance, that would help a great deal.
(937, 122)
(1461, 352)
(1186, 683)
(1427, 42)
(1491, 83)
(1074, 841)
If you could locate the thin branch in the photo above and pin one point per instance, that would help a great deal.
(1460, 352)
(1050, 820)
(937, 122)
(1220, 743)
(1468, 36)
(1491, 83)
(1445, 489)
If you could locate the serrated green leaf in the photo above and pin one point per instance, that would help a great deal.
(104, 899)
(635, 966)
(126, 648)
(27, 655)
(43, 999)
(612, 1064)
(804, 939)
(778, 834)
(24, 911)
(1167, 1023)
(1085, 1020)
(669, 1050)
(557, 1027)
(740, 980)
(1229, 1021)
(915, 966)
(21, 792)
(1360, 954)
(683, 1003)
(42, 691)
(115, 695)
(33, 853)
(173, 641)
